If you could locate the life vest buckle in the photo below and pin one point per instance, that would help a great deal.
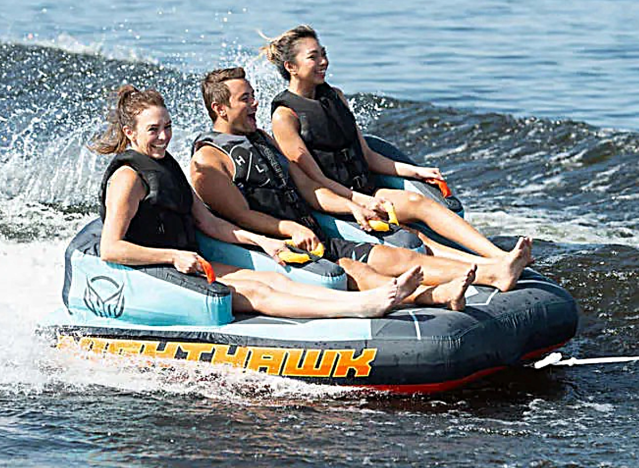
(346, 154)
(291, 196)
(358, 183)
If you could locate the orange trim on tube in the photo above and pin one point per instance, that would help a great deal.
(208, 270)
(442, 186)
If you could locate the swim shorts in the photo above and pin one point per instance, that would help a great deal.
(340, 248)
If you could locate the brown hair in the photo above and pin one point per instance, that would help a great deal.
(129, 102)
(282, 48)
(214, 90)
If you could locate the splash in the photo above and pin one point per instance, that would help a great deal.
(32, 276)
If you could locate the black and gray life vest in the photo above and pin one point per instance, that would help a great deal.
(329, 131)
(163, 219)
(261, 174)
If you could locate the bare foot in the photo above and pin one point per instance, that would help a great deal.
(451, 294)
(510, 267)
(379, 301)
(526, 243)
(529, 243)
(408, 282)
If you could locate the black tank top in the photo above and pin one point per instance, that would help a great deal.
(329, 131)
(164, 218)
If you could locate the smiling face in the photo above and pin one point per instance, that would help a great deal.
(238, 117)
(152, 132)
(311, 62)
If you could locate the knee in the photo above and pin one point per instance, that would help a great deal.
(257, 293)
(401, 255)
(346, 263)
(419, 200)
(277, 279)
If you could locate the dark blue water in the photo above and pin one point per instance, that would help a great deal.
(531, 109)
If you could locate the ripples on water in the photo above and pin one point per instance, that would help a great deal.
(570, 184)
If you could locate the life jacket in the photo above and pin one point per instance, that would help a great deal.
(163, 219)
(329, 130)
(261, 174)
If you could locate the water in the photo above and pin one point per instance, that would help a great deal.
(530, 108)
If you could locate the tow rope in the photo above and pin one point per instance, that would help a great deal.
(555, 359)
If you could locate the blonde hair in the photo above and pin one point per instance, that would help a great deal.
(283, 49)
(129, 102)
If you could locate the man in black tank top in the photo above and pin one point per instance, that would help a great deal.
(240, 173)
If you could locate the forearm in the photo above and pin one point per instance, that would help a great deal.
(225, 231)
(330, 184)
(382, 165)
(263, 223)
(406, 170)
(127, 253)
(328, 201)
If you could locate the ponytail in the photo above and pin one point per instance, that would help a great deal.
(283, 48)
(129, 102)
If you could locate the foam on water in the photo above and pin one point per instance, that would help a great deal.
(552, 226)
(32, 275)
(69, 43)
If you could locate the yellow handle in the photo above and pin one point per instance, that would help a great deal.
(378, 225)
(384, 226)
(319, 250)
(392, 216)
(293, 257)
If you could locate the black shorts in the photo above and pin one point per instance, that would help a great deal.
(340, 248)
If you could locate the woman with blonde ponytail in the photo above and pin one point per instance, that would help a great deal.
(316, 130)
(150, 214)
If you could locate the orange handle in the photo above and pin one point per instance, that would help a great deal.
(208, 270)
(442, 186)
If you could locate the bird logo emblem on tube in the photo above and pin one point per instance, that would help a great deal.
(104, 297)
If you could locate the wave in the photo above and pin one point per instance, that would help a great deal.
(552, 171)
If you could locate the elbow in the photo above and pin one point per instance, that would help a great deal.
(107, 257)
(108, 253)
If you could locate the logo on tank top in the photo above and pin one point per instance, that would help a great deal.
(103, 296)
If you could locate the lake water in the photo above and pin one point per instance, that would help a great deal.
(531, 109)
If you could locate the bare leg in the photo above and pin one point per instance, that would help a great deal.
(282, 283)
(435, 248)
(449, 294)
(411, 207)
(502, 274)
(254, 296)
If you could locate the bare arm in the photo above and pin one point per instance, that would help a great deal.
(213, 182)
(324, 199)
(223, 230)
(211, 173)
(286, 131)
(383, 165)
(123, 196)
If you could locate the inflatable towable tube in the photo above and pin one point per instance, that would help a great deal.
(156, 312)
(412, 350)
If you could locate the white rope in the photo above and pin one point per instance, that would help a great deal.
(555, 359)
